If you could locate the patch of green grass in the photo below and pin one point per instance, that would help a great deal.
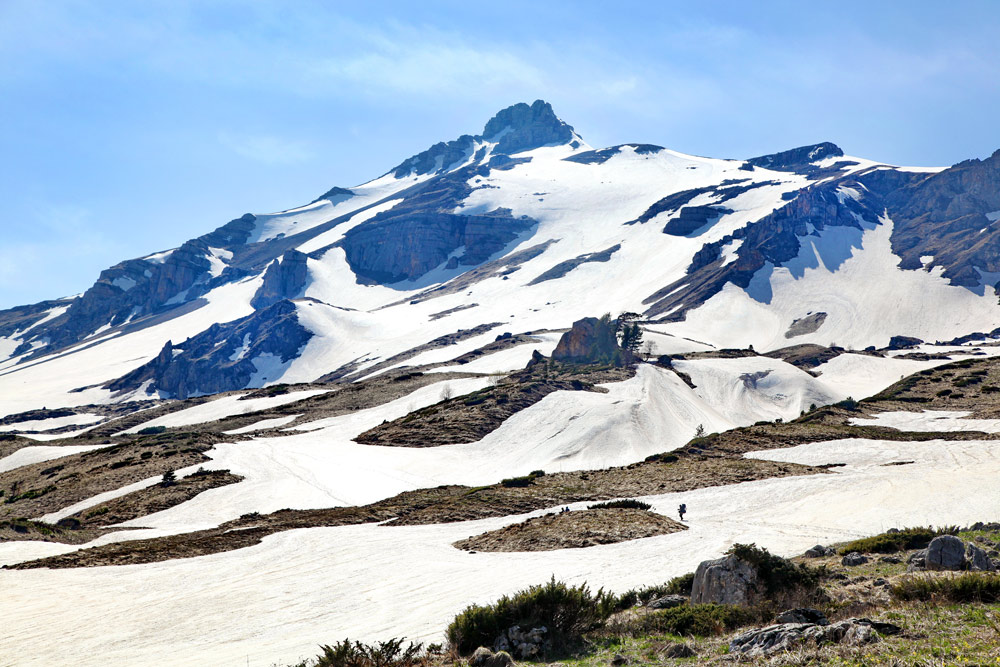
(624, 504)
(967, 587)
(889, 543)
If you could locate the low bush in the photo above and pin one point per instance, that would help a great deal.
(389, 653)
(968, 587)
(625, 504)
(700, 620)
(511, 482)
(677, 586)
(887, 543)
(151, 430)
(566, 611)
(777, 574)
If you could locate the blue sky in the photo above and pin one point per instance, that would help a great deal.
(129, 127)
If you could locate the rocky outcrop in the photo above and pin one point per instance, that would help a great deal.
(525, 644)
(978, 560)
(421, 233)
(562, 268)
(483, 657)
(521, 127)
(854, 559)
(800, 160)
(590, 340)
(949, 216)
(819, 551)
(790, 636)
(604, 154)
(285, 278)
(139, 287)
(728, 580)
(224, 357)
(945, 552)
(692, 218)
(334, 194)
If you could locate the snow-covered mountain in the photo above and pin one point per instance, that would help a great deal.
(526, 228)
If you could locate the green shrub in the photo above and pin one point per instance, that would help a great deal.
(777, 574)
(677, 586)
(887, 543)
(968, 587)
(389, 653)
(151, 430)
(700, 620)
(567, 612)
(522, 481)
(626, 504)
(847, 404)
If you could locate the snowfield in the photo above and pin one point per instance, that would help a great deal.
(275, 602)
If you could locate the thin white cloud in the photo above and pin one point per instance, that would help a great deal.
(267, 149)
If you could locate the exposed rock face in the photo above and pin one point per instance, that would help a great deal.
(284, 279)
(948, 216)
(139, 287)
(224, 357)
(979, 560)
(692, 218)
(521, 127)
(799, 159)
(945, 552)
(562, 268)
(437, 158)
(419, 234)
(726, 580)
(334, 195)
(590, 340)
(903, 342)
(604, 154)
(774, 240)
(789, 636)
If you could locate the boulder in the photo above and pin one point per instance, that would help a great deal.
(903, 342)
(524, 644)
(726, 580)
(667, 601)
(788, 636)
(483, 657)
(590, 340)
(819, 551)
(854, 559)
(979, 560)
(945, 552)
(679, 651)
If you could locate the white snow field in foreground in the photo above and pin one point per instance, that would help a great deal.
(38, 453)
(275, 602)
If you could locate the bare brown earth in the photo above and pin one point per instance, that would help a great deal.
(40, 488)
(152, 499)
(443, 505)
(471, 417)
(19, 530)
(573, 530)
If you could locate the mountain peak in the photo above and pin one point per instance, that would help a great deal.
(522, 127)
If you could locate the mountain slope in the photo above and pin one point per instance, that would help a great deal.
(526, 228)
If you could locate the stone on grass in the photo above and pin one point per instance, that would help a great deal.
(945, 552)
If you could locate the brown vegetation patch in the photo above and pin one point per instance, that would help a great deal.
(153, 499)
(471, 417)
(445, 504)
(573, 530)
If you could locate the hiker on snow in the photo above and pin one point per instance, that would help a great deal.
(681, 510)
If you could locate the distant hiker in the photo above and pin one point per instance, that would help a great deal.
(681, 510)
